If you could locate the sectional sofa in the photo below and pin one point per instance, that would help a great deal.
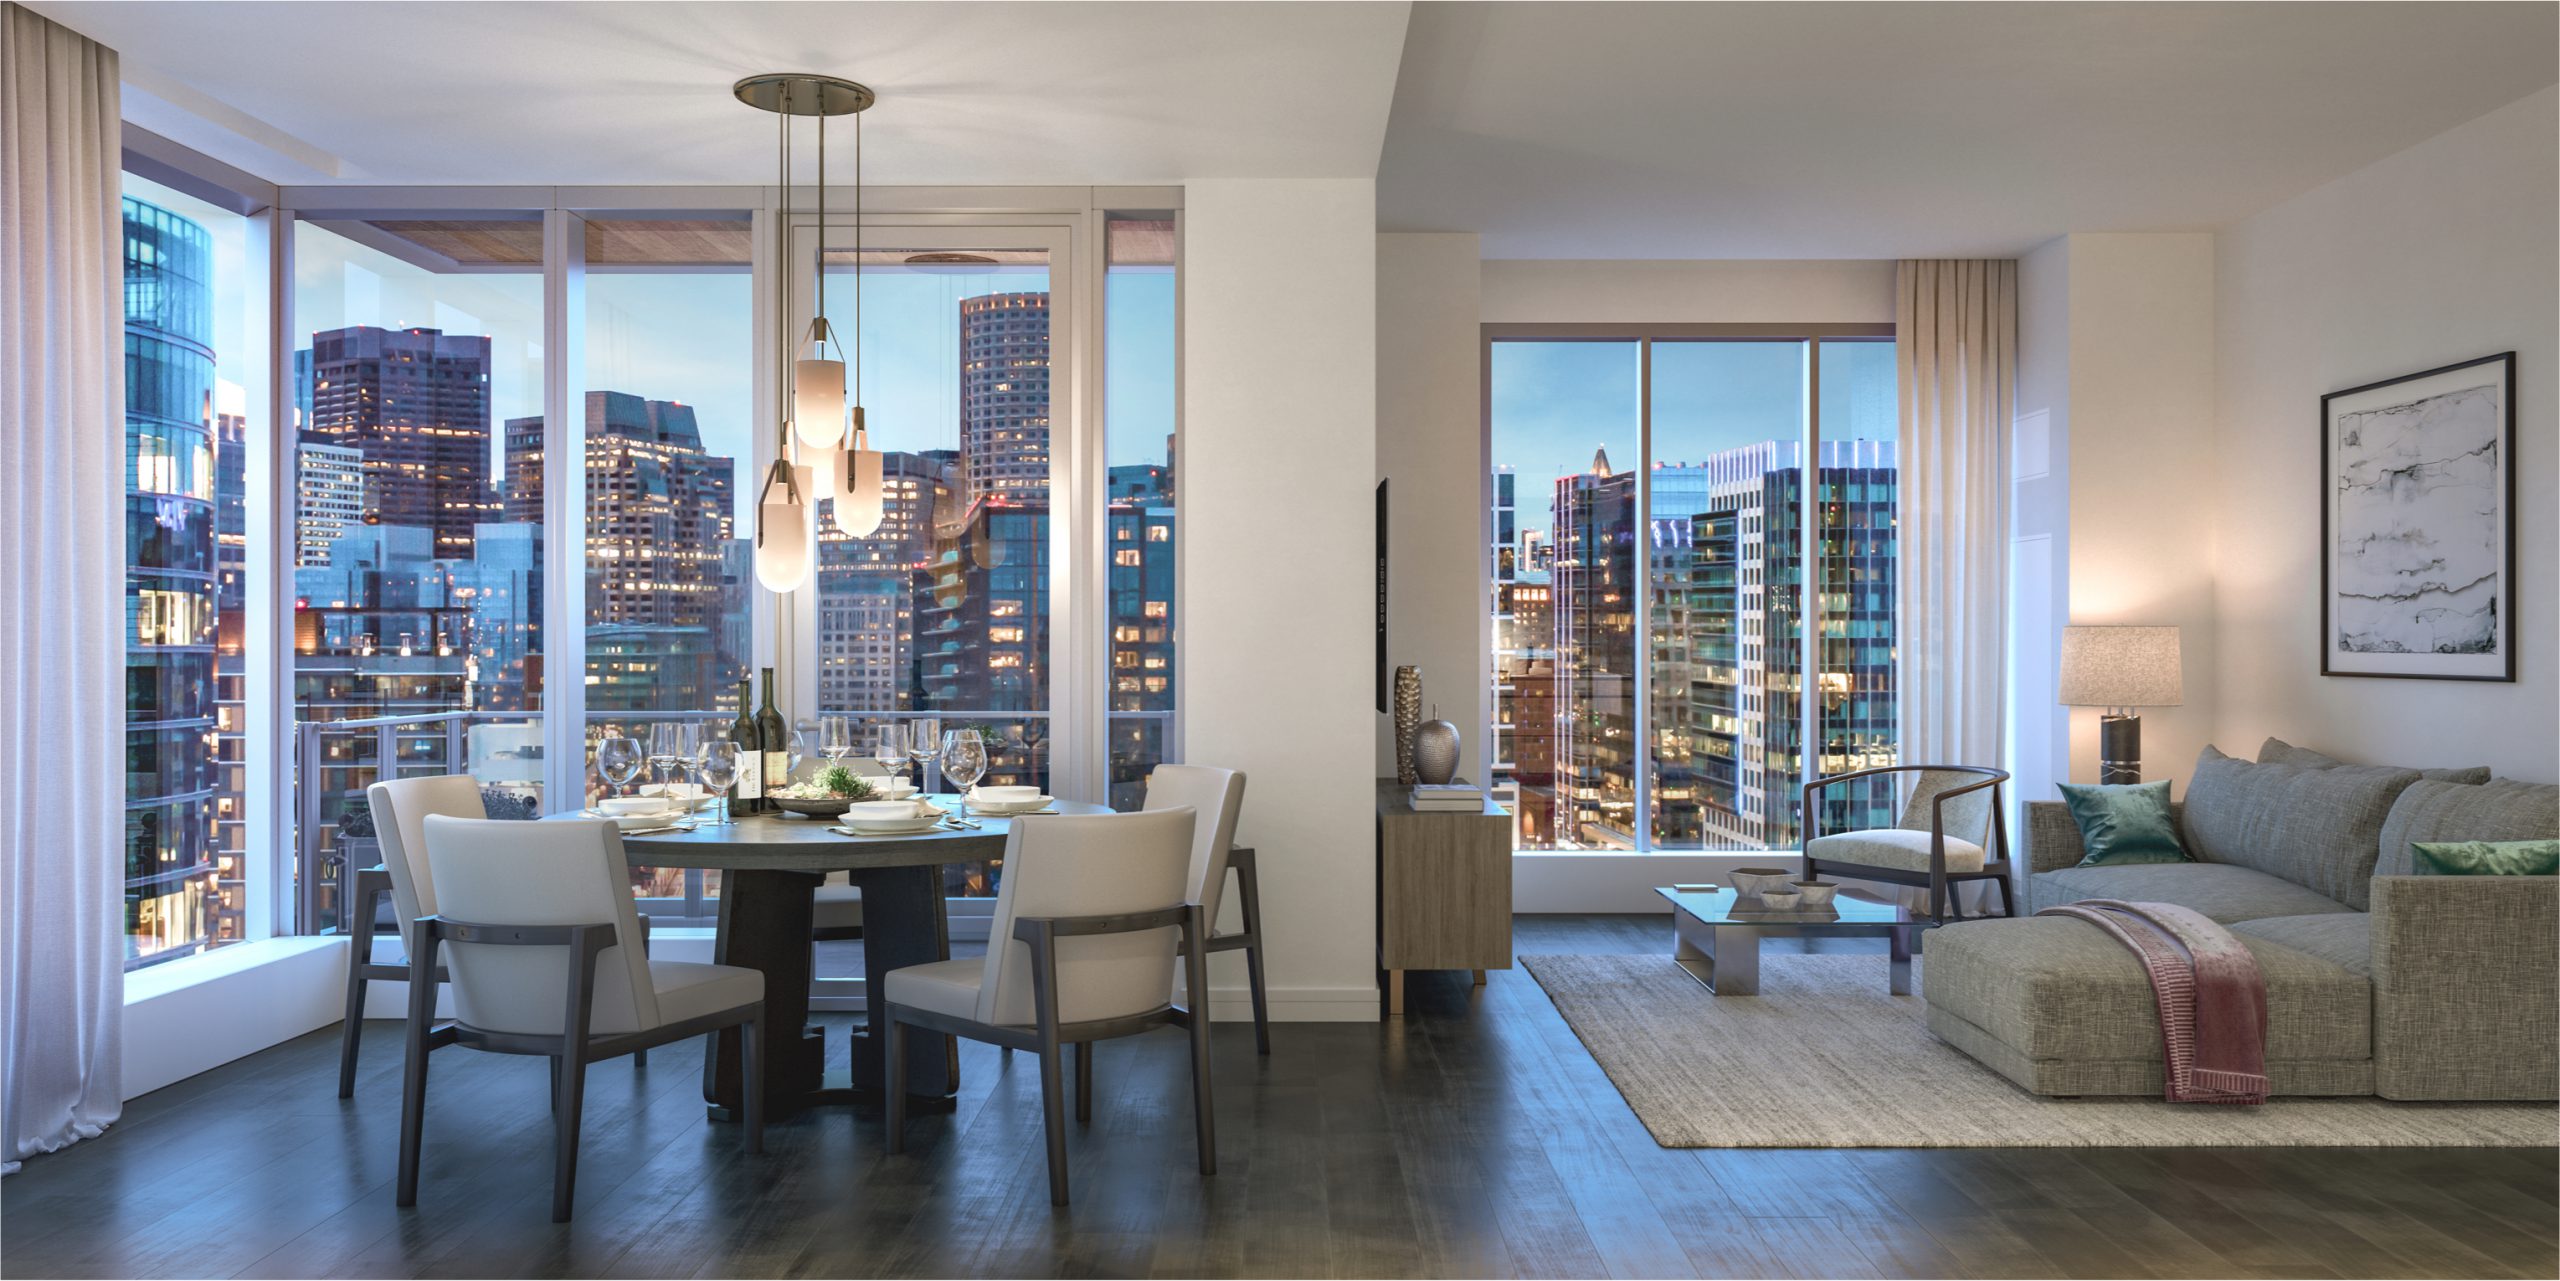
(2378, 981)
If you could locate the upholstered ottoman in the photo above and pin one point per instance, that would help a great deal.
(2060, 1008)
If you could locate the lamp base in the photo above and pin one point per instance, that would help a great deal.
(2119, 749)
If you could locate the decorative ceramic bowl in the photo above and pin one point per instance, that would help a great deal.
(814, 806)
(1005, 795)
(1817, 894)
(1760, 880)
(1780, 900)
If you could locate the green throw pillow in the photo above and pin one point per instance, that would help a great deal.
(2124, 823)
(2485, 858)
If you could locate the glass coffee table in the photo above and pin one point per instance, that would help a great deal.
(1718, 931)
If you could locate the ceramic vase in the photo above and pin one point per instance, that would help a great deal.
(1435, 751)
(1408, 714)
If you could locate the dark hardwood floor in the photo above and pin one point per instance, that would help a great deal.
(1473, 1138)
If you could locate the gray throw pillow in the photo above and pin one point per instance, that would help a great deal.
(2318, 828)
(2276, 751)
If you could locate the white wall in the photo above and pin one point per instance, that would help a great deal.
(1845, 291)
(2439, 254)
(2141, 462)
(1431, 449)
(2039, 738)
(1279, 333)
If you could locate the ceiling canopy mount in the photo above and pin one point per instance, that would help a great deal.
(804, 94)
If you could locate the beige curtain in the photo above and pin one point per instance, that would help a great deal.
(61, 587)
(1956, 348)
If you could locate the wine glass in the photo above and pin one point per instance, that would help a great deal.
(889, 748)
(924, 741)
(796, 748)
(964, 762)
(835, 738)
(716, 764)
(666, 748)
(618, 759)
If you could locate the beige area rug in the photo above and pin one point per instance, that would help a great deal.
(1824, 1057)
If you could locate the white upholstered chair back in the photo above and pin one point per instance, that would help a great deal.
(1216, 796)
(557, 872)
(1088, 865)
(399, 808)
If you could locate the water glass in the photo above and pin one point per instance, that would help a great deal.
(835, 738)
(716, 764)
(889, 748)
(666, 751)
(618, 760)
(964, 762)
(924, 742)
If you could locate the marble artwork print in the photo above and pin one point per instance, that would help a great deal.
(2416, 529)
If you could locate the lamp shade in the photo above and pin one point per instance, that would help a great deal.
(858, 497)
(824, 464)
(2121, 667)
(783, 533)
(817, 402)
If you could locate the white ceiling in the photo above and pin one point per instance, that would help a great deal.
(1890, 130)
(638, 93)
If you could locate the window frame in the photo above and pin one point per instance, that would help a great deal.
(1644, 336)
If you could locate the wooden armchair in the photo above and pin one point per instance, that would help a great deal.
(1929, 847)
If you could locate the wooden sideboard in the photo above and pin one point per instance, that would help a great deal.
(1444, 891)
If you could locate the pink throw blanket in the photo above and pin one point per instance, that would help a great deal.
(2213, 999)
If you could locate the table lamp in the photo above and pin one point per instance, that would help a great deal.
(2119, 669)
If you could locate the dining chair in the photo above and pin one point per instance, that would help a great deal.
(1091, 912)
(538, 930)
(1217, 796)
(399, 807)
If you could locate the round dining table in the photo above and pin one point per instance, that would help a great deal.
(770, 867)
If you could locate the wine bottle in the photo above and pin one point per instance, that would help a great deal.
(776, 736)
(747, 795)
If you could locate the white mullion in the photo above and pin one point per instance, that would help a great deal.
(1642, 720)
(1808, 584)
(774, 619)
(1173, 733)
(1079, 520)
(564, 505)
(268, 839)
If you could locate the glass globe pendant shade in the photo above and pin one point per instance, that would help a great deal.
(825, 465)
(817, 402)
(783, 530)
(858, 497)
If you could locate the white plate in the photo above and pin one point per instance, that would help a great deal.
(1011, 807)
(634, 822)
(910, 827)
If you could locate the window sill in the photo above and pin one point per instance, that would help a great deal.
(221, 963)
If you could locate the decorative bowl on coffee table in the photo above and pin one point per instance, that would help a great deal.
(1755, 881)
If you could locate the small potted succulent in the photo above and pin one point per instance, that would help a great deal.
(827, 795)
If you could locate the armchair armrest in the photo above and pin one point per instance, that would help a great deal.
(2466, 987)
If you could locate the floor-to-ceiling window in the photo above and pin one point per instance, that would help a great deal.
(1651, 587)
(194, 342)
(418, 567)
(1138, 412)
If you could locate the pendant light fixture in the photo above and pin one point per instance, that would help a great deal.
(859, 500)
(786, 516)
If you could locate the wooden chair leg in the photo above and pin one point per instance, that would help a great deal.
(413, 1081)
(2008, 904)
(1197, 963)
(564, 1169)
(1249, 892)
(1084, 1082)
(352, 1034)
(1053, 1119)
(893, 1080)
(751, 1078)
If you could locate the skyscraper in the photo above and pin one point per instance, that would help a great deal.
(415, 403)
(1141, 583)
(868, 586)
(1004, 396)
(170, 589)
(658, 515)
(328, 493)
(1594, 600)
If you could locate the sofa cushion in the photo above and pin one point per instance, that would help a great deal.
(2344, 939)
(2276, 751)
(2318, 828)
(2222, 891)
(2499, 810)
(2057, 988)
(1892, 847)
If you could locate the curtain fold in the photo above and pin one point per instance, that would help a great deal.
(61, 586)
(1956, 344)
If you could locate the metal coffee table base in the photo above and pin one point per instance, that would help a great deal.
(1726, 958)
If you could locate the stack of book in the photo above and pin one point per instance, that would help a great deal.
(1434, 798)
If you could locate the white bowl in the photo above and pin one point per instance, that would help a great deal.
(1028, 805)
(892, 788)
(1005, 796)
(625, 806)
(884, 812)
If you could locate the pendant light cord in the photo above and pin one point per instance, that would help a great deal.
(857, 260)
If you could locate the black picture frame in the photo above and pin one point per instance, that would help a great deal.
(2410, 665)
